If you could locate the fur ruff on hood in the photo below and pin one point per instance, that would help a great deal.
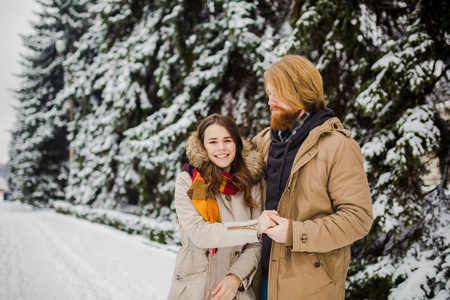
(198, 157)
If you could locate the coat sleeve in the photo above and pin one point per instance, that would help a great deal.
(205, 234)
(246, 265)
(349, 194)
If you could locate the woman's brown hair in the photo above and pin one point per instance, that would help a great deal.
(212, 173)
(297, 83)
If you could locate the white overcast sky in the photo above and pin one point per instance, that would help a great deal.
(15, 17)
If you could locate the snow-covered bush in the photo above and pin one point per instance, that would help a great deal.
(157, 230)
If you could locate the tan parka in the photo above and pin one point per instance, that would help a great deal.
(328, 204)
(197, 271)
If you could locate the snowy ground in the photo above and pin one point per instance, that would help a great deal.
(45, 255)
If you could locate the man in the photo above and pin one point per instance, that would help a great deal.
(315, 181)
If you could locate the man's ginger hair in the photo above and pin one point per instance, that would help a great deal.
(297, 83)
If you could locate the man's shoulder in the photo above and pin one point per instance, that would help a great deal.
(330, 128)
(262, 140)
(265, 133)
(334, 136)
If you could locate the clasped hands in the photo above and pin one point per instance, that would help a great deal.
(273, 225)
(276, 228)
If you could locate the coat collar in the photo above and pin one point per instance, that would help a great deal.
(263, 140)
(198, 157)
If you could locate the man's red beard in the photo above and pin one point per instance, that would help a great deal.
(284, 119)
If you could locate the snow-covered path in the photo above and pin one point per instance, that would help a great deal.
(45, 255)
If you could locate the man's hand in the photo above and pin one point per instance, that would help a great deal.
(265, 221)
(227, 288)
(279, 232)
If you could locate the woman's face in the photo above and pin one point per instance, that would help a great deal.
(219, 146)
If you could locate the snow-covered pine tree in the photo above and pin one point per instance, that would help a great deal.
(218, 46)
(111, 95)
(39, 150)
(408, 249)
(142, 78)
(386, 69)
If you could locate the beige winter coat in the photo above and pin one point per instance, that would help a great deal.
(327, 201)
(198, 272)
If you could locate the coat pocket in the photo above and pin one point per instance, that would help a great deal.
(321, 263)
(189, 282)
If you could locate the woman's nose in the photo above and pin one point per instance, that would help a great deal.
(220, 145)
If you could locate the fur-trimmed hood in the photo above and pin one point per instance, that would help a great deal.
(198, 157)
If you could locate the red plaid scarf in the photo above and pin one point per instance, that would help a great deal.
(208, 207)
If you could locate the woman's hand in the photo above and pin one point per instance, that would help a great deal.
(265, 221)
(227, 288)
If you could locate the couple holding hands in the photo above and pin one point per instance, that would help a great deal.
(275, 222)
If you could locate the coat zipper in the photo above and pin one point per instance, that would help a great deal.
(251, 227)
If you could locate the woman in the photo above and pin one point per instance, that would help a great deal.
(218, 201)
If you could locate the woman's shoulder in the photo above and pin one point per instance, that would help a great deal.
(183, 179)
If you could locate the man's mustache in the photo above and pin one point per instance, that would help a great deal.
(277, 108)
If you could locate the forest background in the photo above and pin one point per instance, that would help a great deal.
(111, 89)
